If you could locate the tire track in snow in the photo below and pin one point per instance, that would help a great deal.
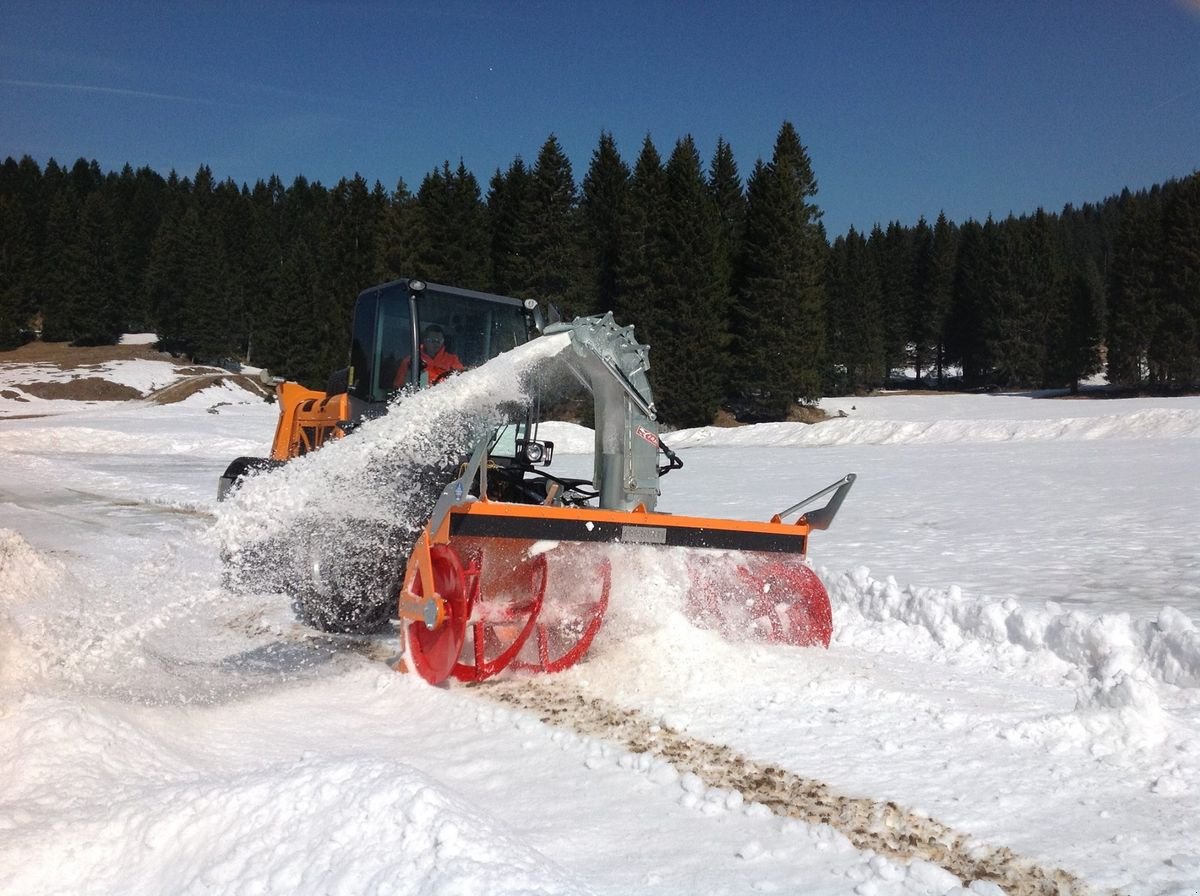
(882, 826)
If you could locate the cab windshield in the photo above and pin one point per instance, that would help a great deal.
(475, 327)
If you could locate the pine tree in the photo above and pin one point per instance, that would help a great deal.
(603, 213)
(451, 229)
(164, 286)
(940, 296)
(18, 259)
(780, 326)
(892, 250)
(59, 266)
(966, 332)
(346, 261)
(688, 324)
(854, 318)
(95, 314)
(725, 187)
(637, 299)
(919, 339)
(263, 263)
(552, 242)
(137, 214)
(296, 343)
(508, 227)
(1175, 348)
(398, 241)
(1078, 334)
(1133, 307)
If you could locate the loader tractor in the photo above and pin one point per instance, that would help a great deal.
(514, 567)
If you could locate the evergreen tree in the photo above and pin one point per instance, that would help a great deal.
(347, 257)
(1077, 335)
(780, 326)
(1175, 348)
(967, 327)
(940, 295)
(854, 318)
(451, 243)
(637, 300)
(508, 205)
(398, 240)
(95, 315)
(725, 187)
(263, 262)
(18, 258)
(137, 214)
(892, 250)
(60, 266)
(602, 215)
(550, 238)
(85, 178)
(918, 336)
(1029, 303)
(688, 323)
(298, 343)
(1133, 308)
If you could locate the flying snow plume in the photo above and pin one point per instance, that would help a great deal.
(358, 503)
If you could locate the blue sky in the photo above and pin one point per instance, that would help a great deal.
(973, 107)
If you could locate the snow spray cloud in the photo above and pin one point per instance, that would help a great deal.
(363, 499)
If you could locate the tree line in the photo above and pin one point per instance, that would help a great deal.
(748, 306)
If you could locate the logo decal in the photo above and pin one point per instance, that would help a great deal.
(646, 434)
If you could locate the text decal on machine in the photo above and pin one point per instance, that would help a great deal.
(646, 434)
(644, 534)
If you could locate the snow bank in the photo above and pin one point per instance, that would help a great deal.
(25, 576)
(1152, 423)
(149, 817)
(1116, 663)
(139, 339)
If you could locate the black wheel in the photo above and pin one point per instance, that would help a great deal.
(345, 585)
(239, 469)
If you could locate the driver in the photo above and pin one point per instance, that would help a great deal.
(436, 361)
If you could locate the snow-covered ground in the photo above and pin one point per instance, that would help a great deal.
(1016, 660)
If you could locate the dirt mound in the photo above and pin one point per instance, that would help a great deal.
(89, 388)
(81, 360)
(67, 357)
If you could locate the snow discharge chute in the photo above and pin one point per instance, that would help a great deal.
(511, 566)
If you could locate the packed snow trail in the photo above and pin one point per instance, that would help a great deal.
(883, 827)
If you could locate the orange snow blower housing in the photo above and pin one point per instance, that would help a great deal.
(514, 569)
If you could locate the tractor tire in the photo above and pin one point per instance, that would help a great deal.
(346, 581)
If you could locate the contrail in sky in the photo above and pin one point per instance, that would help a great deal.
(92, 88)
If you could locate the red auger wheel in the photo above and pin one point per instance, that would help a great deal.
(433, 652)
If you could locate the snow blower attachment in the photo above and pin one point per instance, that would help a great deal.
(514, 569)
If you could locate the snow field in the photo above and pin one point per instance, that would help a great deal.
(1015, 655)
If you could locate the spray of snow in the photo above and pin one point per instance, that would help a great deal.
(374, 476)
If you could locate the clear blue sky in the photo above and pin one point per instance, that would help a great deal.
(907, 108)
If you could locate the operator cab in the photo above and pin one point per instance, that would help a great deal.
(389, 321)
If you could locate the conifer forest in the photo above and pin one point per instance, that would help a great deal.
(748, 305)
